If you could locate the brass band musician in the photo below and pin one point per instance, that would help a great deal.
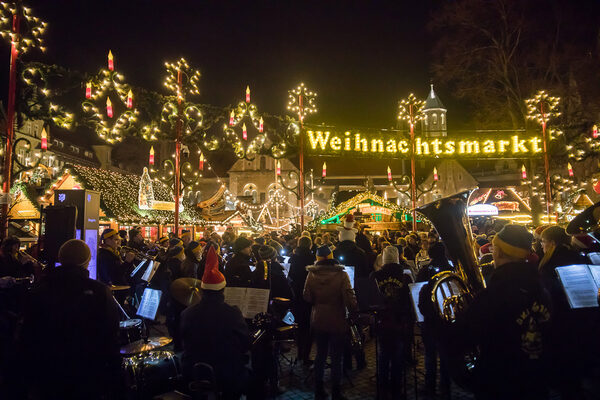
(112, 270)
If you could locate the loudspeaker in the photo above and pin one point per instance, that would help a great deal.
(58, 228)
(87, 203)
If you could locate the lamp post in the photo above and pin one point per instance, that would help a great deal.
(301, 102)
(411, 111)
(540, 108)
(178, 117)
(12, 15)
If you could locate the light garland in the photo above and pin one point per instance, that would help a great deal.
(24, 40)
(302, 101)
(99, 90)
(411, 110)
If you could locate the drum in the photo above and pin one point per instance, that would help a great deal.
(130, 330)
(151, 373)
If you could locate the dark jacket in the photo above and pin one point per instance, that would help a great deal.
(436, 266)
(411, 251)
(69, 335)
(301, 258)
(273, 278)
(215, 333)
(237, 271)
(561, 256)
(328, 290)
(348, 253)
(362, 241)
(111, 270)
(510, 321)
(393, 286)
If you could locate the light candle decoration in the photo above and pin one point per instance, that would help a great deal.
(389, 171)
(260, 125)
(88, 90)
(44, 144)
(231, 117)
(435, 174)
(278, 171)
(111, 62)
(247, 94)
(570, 168)
(523, 172)
(244, 132)
(130, 99)
(201, 162)
(595, 132)
(324, 169)
(109, 109)
(151, 161)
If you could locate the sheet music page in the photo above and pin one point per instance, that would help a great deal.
(579, 285)
(595, 270)
(235, 296)
(286, 268)
(149, 304)
(415, 289)
(594, 258)
(148, 271)
(256, 302)
(349, 269)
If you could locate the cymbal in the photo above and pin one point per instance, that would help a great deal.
(140, 346)
(119, 287)
(186, 291)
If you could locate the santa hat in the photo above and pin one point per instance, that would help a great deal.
(348, 231)
(212, 279)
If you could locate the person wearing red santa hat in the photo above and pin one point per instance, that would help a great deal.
(216, 333)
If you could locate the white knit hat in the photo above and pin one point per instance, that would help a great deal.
(348, 231)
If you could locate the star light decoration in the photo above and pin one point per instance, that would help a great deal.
(411, 110)
(302, 101)
(109, 103)
(542, 107)
(31, 29)
(191, 116)
(237, 131)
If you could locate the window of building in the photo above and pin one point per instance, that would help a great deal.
(434, 119)
(443, 118)
(426, 120)
(250, 190)
(75, 149)
(89, 154)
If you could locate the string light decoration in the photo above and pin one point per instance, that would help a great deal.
(237, 132)
(402, 185)
(37, 95)
(190, 177)
(109, 104)
(30, 32)
(541, 108)
(302, 101)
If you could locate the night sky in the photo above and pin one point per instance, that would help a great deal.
(360, 56)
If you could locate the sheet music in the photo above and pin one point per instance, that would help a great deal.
(137, 268)
(595, 270)
(250, 301)
(594, 258)
(349, 269)
(286, 268)
(149, 303)
(579, 285)
(415, 289)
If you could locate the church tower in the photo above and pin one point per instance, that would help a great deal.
(434, 118)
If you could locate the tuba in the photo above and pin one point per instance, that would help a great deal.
(451, 292)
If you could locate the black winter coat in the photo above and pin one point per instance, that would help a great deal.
(348, 253)
(301, 258)
(237, 271)
(393, 286)
(274, 279)
(215, 333)
(111, 270)
(510, 321)
(69, 335)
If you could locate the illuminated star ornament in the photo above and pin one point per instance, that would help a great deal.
(411, 110)
(301, 101)
(109, 103)
(30, 31)
(542, 107)
(237, 132)
(191, 115)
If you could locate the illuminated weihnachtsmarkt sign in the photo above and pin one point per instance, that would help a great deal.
(389, 145)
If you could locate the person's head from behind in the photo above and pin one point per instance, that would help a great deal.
(554, 236)
(10, 246)
(242, 246)
(425, 245)
(135, 236)
(304, 243)
(74, 253)
(511, 244)
(401, 242)
(110, 238)
(390, 255)
(411, 239)
(326, 238)
(437, 252)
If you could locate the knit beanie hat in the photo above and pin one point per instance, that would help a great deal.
(186, 233)
(212, 279)
(175, 251)
(175, 242)
(75, 253)
(482, 241)
(266, 252)
(537, 233)
(514, 241)
(305, 233)
(163, 240)
(324, 253)
(241, 243)
(390, 255)
(304, 242)
(195, 247)
(107, 233)
(401, 242)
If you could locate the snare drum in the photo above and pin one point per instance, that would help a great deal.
(152, 373)
(130, 330)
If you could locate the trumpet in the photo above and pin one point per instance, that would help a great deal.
(140, 255)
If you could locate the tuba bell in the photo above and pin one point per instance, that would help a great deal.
(452, 291)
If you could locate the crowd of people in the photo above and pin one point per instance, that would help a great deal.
(520, 330)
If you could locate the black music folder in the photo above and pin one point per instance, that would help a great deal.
(580, 283)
